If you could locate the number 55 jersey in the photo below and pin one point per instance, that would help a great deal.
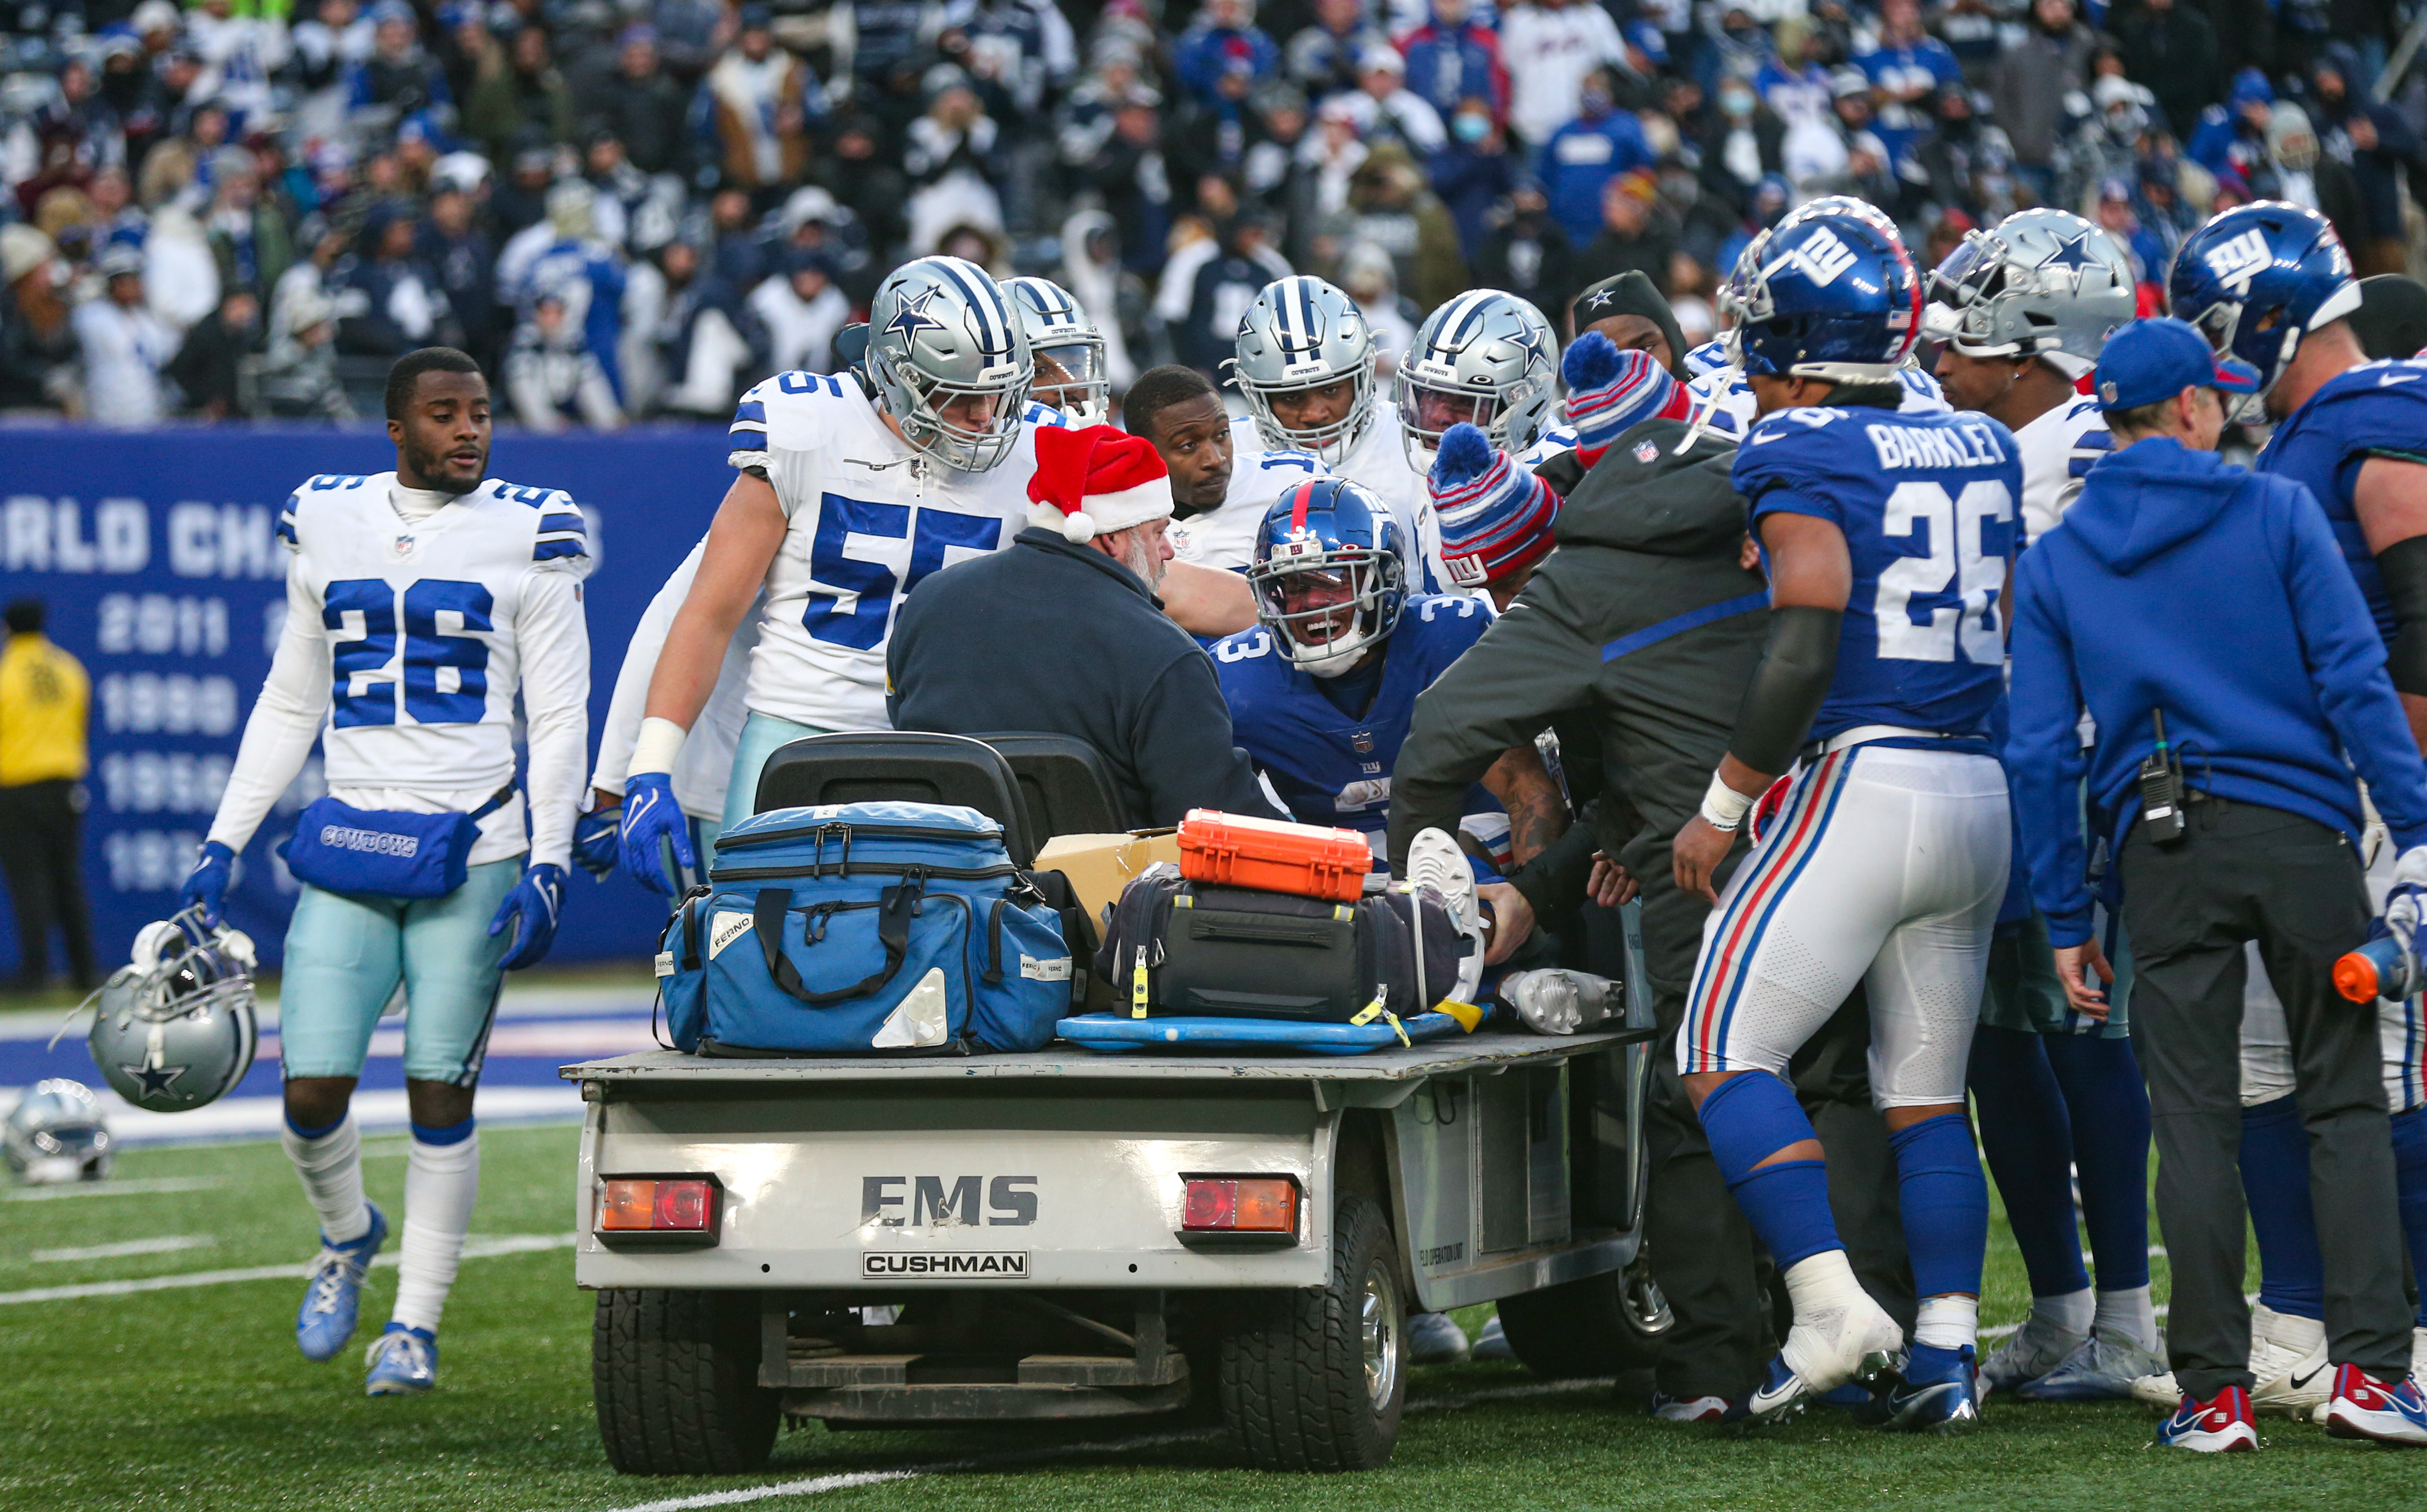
(406, 641)
(1928, 504)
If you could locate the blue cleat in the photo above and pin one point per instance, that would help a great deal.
(2102, 1370)
(403, 1361)
(333, 1294)
(1940, 1391)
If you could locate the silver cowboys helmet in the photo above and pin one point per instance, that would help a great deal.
(1485, 358)
(1062, 336)
(2044, 281)
(1302, 334)
(55, 1135)
(174, 1029)
(941, 340)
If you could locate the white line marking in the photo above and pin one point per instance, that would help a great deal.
(118, 1189)
(477, 1248)
(161, 1245)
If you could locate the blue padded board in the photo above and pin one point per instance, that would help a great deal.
(1119, 1034)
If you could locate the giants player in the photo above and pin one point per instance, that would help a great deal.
(1887, 538)
(419, 602)
(852, 488)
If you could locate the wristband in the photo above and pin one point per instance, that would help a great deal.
(1723, 808)
(660, 741)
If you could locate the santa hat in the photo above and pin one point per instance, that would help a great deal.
(1094, 480)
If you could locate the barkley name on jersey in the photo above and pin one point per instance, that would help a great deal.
(1928, 504)
(868, 518)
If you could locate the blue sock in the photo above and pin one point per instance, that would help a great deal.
(2109, 1108)
(1750, 1119)
(2025, 1133)
(454, 1133)
(2410, 1181)
(1945, 1203)
(2275, 1183)
(321, 1133)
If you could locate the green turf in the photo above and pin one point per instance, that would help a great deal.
(195, 1399)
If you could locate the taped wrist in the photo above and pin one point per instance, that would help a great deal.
(2403, 566)
(1797, 666)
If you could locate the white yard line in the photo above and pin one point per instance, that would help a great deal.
(118, 1189)
(479, 1247)
(161, 1245)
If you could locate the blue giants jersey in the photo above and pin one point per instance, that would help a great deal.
(1929, 506)
(1331, 769)
(2376, 409)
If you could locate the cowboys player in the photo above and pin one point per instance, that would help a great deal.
(1073, 386)
(1887, 538)
(2024, 310)
(419, 602)
(850, 489)
(2271, 285)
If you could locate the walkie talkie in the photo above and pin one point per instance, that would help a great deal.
(2161, 791)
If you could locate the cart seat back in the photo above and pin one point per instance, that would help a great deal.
(865, 766)
(1065, 784)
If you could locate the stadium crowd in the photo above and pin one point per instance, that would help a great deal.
(629, 209)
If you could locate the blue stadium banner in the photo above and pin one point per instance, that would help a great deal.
(154, 552)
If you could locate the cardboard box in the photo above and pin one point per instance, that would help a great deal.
(1099, 866)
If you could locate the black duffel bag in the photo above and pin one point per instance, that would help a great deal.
(1182, 949)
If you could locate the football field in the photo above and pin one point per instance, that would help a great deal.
(147, 1360)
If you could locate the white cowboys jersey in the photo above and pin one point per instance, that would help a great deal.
(704, 765)
(870, 518)
(404, 646)
(2058, 450)
(1225, 537)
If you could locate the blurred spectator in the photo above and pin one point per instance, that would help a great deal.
(949, 156)
(894, 43)
(1526, 253)
(170, 168)
(2028, 82)
(736, 252)
(2233, 136)
(2146, 247)
(1224, 44)
(1389, 111)
(519, 90)
(1908, 68)
(2296, 171)
(393, 304)
(760, 94)
(204, 368)
(802, 310)
(1474, 173)
(520, 202)
(1762, 208)
(1128, 171)
(37, 340)
(1452, 58)
(298, 380)
(1550, 49)
(552, 375)
(464, 261)
(181, 280)
(248, 236)
(1865, 176)
(642, 106)
(870, 192)
(398, 78)
(332, 40)
(1967, 163)
(125, 346)
(1736, 47)
(1368, 277)
(1329, 56)
(1091, 270)
(1013, 50)
(1394, 212)
(44, 703)
(1637, 234)
(1332, 155)
(1799, 90)
(2380, 148)
(2170, 49)
(704, 339)
(1744, 144)
(1227, 272)
(239, 53)
(1601, 142)
(563, 257)
(692, 32)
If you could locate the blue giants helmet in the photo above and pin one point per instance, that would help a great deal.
(1832, 295)
(2257, 278)
(1329, 574)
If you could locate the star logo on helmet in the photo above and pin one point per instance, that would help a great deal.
(913, 316)
(2075, 254)
(1528, 341)
(155, 1075)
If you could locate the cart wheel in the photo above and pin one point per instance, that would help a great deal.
(1315, 1380)
(1596, 1326)
(675, 1378)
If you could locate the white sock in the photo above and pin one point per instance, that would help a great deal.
(2074, 1313)
(440, 1183)
(332, 1169)
(1823, 1283)
(1948, 1322)
(2130, 1314)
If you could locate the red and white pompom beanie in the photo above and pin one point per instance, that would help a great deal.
(1096, 479)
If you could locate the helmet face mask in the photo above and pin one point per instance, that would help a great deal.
(949, 361)
(1072, 374)
(1329, 575)
(1484, 358)
(2044, 282)
(55, 1135)
(1298, 342)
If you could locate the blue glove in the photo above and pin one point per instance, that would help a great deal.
(596, 840)
(651, 816)
(1609, 391)
(206, 886)
(533, 907)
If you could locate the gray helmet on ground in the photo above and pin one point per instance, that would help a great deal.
(1061, 333)
(1485, 358)
(2044, 282)
(55, 1135)
(174, 1029)
(941, 333)
(1298, 336)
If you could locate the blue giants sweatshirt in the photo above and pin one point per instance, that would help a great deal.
(2219, 595)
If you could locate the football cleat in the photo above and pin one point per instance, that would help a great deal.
(2300, 1388)
(1667, 1408)
(403, 1361)
(1938, 1392)
(2418, 1358)
(2028, 1353)
(1556, 1001)
(332, 1292)
(1434, 861)
(1435, 1339)
(1865, 1404)
(2102, 1370)
(2217, 1427)
(1492, 1346)
(2366, 1408)
(2278, 1343)
(1781, 1395)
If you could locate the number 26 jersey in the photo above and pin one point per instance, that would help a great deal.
(1928, 504)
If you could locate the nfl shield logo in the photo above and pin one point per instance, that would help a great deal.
(399, 548)
(1363, 742)
(1645, 451)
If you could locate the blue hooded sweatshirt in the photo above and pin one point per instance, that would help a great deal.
(2219, 595)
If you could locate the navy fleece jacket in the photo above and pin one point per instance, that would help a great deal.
(2219, 595)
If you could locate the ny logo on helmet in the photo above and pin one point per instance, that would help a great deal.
(1821, 257)
(2235, 262)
